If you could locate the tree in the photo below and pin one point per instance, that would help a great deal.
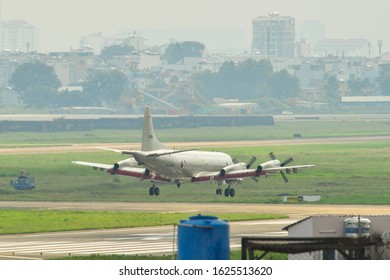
(332, 88)
(358, 86)
(283, 85)
(40, 96)
(31, 77)
(106, 86)
(244, 80)
(116, 50)
(384, 84)
(176, 52)
(254, 76)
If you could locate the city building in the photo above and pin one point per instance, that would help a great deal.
(94, 41)
(343, 47)
(72, 67)
(274, 36)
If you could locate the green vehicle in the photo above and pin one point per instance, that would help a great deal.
(23, 182)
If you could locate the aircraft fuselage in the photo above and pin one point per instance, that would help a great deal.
(185, 164)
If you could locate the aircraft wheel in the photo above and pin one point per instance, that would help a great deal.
(227, 192)
(232, 192)
(218, 191)
(157, 191)
(151, 191)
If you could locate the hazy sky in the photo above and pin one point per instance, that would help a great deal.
(62, 22)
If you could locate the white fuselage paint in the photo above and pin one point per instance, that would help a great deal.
(185, 164)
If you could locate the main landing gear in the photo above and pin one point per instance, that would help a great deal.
(228, 191)
(154, 191)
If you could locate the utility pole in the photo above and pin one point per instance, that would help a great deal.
(380, 44)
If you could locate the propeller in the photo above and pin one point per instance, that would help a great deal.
(287, 161)
(284, 163)
(251, 161)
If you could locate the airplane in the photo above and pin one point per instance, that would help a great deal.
(161, 165)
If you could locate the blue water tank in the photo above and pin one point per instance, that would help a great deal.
(203, 238)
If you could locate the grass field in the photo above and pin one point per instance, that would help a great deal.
(30, 221)
(344, 173)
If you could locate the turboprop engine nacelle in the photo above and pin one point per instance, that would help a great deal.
(232, 167)
(129, 162)
(270, 164)
(234, 181)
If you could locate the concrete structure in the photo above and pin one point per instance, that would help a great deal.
(365, 99)
(333, 227)
(274, 36)
(301, 198)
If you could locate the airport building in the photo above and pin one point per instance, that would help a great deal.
(274, 36)
(341, 237)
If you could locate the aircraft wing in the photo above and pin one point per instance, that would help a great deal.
(125, 171)
(238, 174)
(215, 176)
(287, 168)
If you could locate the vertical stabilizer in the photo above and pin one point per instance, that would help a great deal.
(149, 139)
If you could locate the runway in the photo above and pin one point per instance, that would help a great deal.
(132, 241)
(156, 240)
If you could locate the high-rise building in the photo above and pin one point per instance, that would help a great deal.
(273, 35)
(18, 35)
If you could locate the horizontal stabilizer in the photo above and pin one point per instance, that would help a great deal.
(95, 165)
(109, 149)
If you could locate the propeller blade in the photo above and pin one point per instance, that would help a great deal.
(287, 161)
(284, 176)
(252, 161)
(272, 156)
